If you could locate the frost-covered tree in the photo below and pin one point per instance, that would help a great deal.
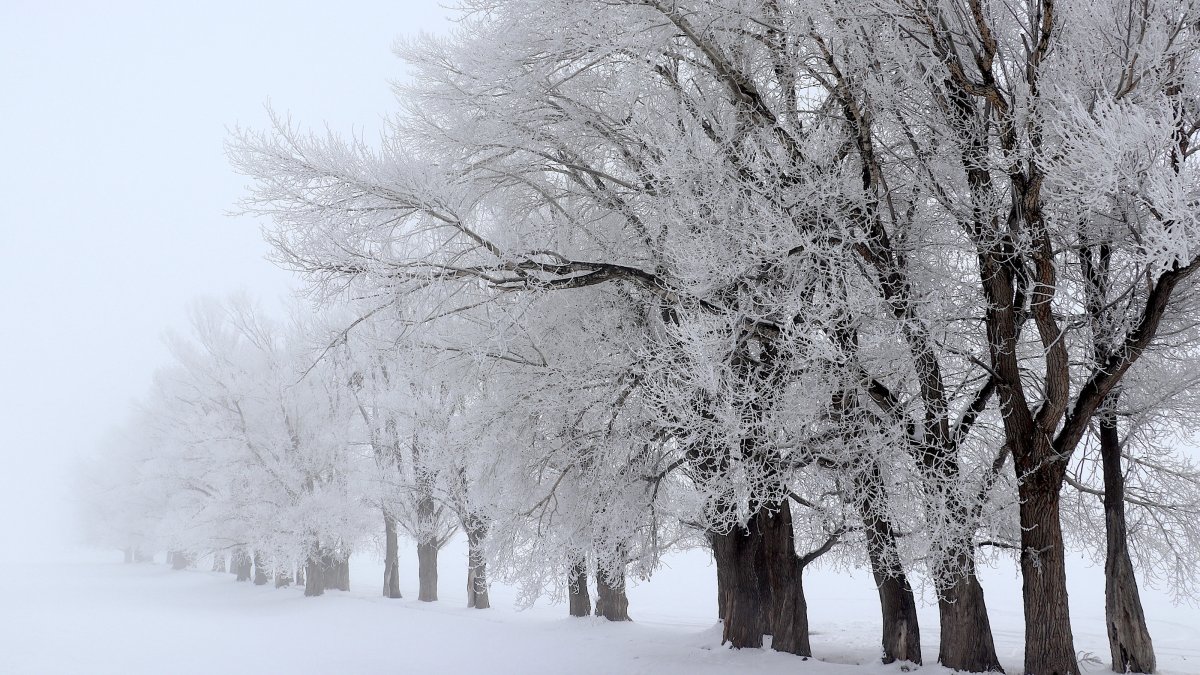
(735, 249)
(242, 445)
(1032, 118)
(568, 198)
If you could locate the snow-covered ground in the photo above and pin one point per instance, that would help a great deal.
(100, 616)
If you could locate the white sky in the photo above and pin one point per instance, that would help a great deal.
(114, 191)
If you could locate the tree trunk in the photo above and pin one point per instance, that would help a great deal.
(427, 544)
(314, 574)
(218, 562)
(901, 631)
(336, 572)
(789, 611)
(1049, 645)
(340, 577)
(965, 640)
(128, 554)
(391, 558)
(577, 589)
(300, 581)
(260, 570)
(1128, 636)
(241, 564)
(477, 589)
(747, 603)
(611, 601)
(427, 555)
(966, 632)
(283, 577)
(179, 561)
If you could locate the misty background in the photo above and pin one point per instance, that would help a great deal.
(115, 199)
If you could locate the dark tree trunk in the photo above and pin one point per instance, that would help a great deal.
(427, 544)
(314, 574)
(577, 589)
(300, 575)
(218, 562)
(338, 574)
(1049, 645)
(477, 589)
(611, 601)
(283, 577)
(789, 611)
(901, 631)
(241, 564)
(746, 601)
(427, 555)
(260, 570)
(427, 547)
(966, 632)
(1128, 636)
(179, 561)
(391, 558)
(965, 640)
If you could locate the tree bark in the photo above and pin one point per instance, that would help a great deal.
(901, 631)
(336, 572)
(1049, 645)
(260, 570)
(241, 564)
(283, 577)
(965, 640)
(611, 601)
(427, 555)
(391, 558)
(966, 632)
(739, 553)
(179, 561)
(577, 589)
(789, 611)
(427, 544)
(218, 562)
(344, 574)
(314, 574)
(1128, 636)
(300, 581)
(477, 588)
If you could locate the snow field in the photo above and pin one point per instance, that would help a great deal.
(101, 617)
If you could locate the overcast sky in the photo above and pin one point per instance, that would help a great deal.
(114, 192)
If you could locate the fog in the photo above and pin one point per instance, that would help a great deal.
(118, 208)
(115, 198)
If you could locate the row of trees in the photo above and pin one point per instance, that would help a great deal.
(258, 446)
(911, 287)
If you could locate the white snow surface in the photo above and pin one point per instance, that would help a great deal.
(100, 616)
